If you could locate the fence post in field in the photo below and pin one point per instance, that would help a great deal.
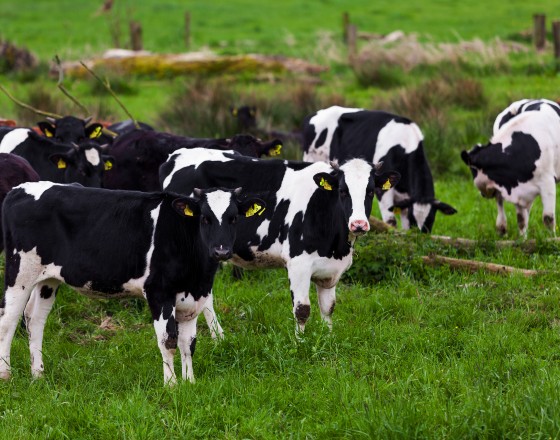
(539, 30)
(345, 24)
(187, 29)
(352, 40)
(556, 40)
(135, 35)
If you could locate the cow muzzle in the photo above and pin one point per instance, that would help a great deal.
(359, 227)
(222, 254)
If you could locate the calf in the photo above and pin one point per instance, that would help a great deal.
(13, 171)
(139, 154)
(161, 246)
(70, 129)
(314, 214)
(339, 133)
(521, 161)
(84, 164)
(521, 106)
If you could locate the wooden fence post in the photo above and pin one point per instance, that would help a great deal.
(345, 24)
(187, 29)
(135, 35)
(352, 40)
(539, 30)
(556, 40)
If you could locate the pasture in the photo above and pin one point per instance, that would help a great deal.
(415, 351)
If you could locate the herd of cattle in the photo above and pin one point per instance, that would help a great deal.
(152, 214)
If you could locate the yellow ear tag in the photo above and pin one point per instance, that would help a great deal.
(255, 209)
(61, 164)
(276, 150)
(234, 112)
(386, 185)
(188, 212)
(397, 211)
(48, 133)
(325, 184)
(95, 133)
(108, 165)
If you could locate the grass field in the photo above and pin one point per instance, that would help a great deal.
(416, 351)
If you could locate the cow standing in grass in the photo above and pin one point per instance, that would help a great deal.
(340, 134)
(313, 215)
(521, 162)
(160, 246)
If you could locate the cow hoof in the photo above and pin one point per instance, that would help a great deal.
(5, 375)
(501, 230)
(548, 221)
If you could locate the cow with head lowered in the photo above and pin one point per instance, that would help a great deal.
(161, 246)
(13, 171)
(138, 155)
(314, 212)
(84, 164)
(521, 162)
(340, 133)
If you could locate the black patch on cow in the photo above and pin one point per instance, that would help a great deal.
(292, 295)
(302, 313)
(172, 332)
(331, 310)
(514, 165)
(12, 268)
(193, 346)
(520, 220)
(278, 229)
(507, 117)
(322, 138)
(46, 292)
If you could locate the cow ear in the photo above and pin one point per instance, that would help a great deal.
(387, 180)
(94, 130)
(47, 128)
(186, 207)
(60, 160)
(466, 158)
(444, 208)
(252, 207)
(108, 162)
(326, 181)
(401, 204)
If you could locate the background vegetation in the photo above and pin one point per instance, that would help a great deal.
(416, 352)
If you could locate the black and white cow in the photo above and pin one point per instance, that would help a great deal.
(13, 171)
(84, 164)
(521, 161)
(160, 246)
(139, 154)
(523, 105)
(314, 214)
(340, 133)
(70, 129)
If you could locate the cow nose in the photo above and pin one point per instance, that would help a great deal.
(359, 227)
(222, 254)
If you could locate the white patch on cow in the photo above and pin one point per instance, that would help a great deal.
(219, 202)
(187, 308)
(31, 270)
(421, 212)
(520, 106)
(357, 173)
(13, 139)
(136, 285)
(325, 119)
(92, 156)
(395, 133)
(36, 189)
(186, 157)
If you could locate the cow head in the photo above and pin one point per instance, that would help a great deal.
(70, 129)
(472, 160)
(217, 210)
(422, 214)
(246, 116)
(84, 164)
(251, 146)
(355, 183)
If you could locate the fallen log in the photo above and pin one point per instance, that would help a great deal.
(474, 266)
(377, 225)
(467, 243)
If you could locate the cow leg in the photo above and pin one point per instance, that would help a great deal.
(522, 219)
(385, 202)
(36, 313)
(501, 220)
(548, 197)
(15, 299)
(300, 280)
(165, 325)
(212, 319)
(187, 343)
(327, 301)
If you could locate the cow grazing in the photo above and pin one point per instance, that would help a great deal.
(84, 164)
(70, 129)
(13, 171)
(339, 133)
(521, 106)
(314, 214)
(521, 161)
(161, 246)
(139, 154)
